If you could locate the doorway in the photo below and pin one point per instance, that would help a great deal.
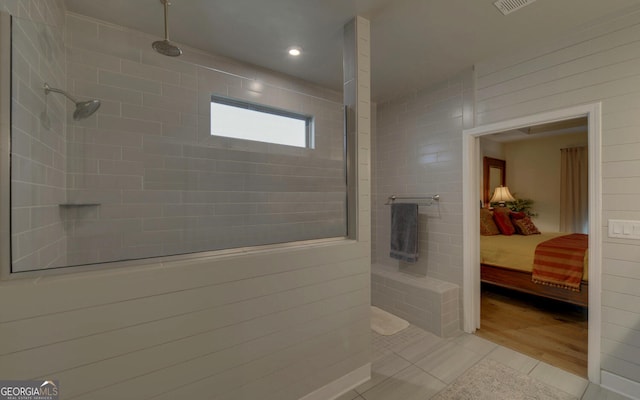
(471, 199)
(531, 158)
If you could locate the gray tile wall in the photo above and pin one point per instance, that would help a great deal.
(273, 324)
(426, 302)
(374, 185)
(418, 152)
(164, 185)
(50, 12)
(38, 134)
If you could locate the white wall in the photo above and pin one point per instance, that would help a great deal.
(599, 64)
(265, 323)
(533, 172)
(272, 325)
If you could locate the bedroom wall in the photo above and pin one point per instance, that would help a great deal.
(271, 323)
(598, 64)
(491, 149)
(533, 172)
(488, 148)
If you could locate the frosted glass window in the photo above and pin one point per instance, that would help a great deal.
(247, 121)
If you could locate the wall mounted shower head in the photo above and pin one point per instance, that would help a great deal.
(165, 47)
(84, 109)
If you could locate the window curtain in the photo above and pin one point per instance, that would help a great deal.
(574, 190)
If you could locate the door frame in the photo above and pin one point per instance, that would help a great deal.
(471, 215)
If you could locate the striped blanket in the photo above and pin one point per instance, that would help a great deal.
(559, 262)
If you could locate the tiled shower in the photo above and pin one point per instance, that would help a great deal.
(143, 177)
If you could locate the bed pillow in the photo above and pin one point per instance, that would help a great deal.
(525, 226)
(487, 225)
(503, 221)
(516, 216)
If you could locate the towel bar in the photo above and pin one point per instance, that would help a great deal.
(430, 199)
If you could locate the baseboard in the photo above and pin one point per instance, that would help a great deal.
(620, 385)
(341, 385)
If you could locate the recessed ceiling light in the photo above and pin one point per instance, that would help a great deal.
(295, 51)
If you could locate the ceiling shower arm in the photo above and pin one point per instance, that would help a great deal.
(165, 47)
(166, 19)
(48, 89)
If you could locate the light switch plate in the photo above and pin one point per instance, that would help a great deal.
(624, 229)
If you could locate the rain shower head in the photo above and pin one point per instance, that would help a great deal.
(165, 47)
(84, 109)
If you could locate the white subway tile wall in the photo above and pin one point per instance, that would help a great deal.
(418, 152)
(426, 302)
(374, 185)
(272, 324)
(38, 140)
(149, 145)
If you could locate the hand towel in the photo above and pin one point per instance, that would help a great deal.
(404, 232)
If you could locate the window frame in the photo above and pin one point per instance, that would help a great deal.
(247, 105)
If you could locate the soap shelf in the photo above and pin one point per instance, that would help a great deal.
(69, 205)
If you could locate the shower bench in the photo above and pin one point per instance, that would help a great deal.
(426, 302)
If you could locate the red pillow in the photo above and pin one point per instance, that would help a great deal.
(501, 217)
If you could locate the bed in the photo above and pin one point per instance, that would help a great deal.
(507, 261)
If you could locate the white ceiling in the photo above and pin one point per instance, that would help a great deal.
(414, 43)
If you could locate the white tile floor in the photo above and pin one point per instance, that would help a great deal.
(415, 365)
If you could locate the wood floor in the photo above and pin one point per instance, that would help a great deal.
(547, 330)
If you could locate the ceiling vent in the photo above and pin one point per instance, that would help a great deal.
(509, 6)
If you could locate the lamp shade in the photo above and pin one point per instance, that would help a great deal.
(502, 194)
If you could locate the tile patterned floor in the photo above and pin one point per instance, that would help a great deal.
(415, 365)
